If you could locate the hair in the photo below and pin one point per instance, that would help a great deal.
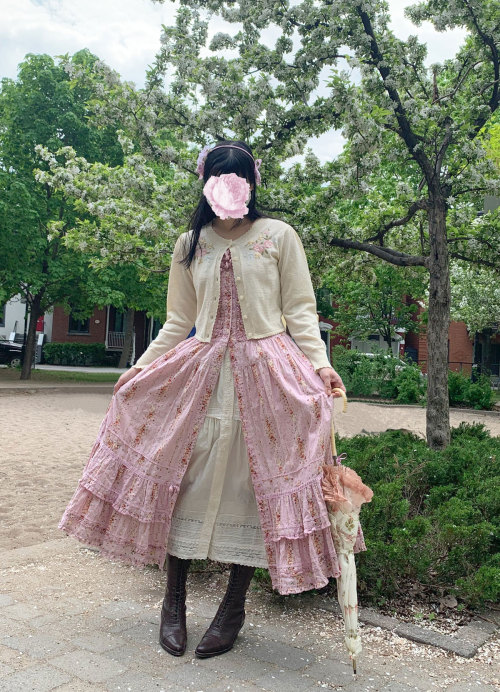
(218, 161)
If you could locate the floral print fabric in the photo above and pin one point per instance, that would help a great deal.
(126, 496)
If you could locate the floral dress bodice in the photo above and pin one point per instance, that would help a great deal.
(228, 322)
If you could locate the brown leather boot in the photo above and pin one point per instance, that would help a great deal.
(230, 616)
(173, 635)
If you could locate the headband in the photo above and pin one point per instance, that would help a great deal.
(200, 164)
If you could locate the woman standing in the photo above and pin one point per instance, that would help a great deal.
(212, 446)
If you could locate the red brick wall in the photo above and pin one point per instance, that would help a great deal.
(97, 332)
(460, 348)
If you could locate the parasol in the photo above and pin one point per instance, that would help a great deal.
(344, 493)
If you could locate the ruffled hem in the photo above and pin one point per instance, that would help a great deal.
(96, 522)
(303, 564)
(297, 565)
(295, 514)
(299, 542)
(108, 476)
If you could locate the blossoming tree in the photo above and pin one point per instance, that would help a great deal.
(429, 121)
(409, 185)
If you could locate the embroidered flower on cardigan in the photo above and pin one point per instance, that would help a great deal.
(260, 245)
(202, 249)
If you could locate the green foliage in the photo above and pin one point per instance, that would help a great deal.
(374, 300)
(434, 517)
(76, 354)
(389, 377)
(463, 392)
(410, 385)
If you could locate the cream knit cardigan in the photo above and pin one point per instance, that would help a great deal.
(272, 279)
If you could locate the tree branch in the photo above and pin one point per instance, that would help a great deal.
(476, 260)
(407, 133)
(416, 206)
(490, 42)
(401, 259)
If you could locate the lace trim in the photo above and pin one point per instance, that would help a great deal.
(342, 484)
(131, 492)
(295, 514)
(230, 541)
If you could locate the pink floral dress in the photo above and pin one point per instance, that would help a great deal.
(125, 502)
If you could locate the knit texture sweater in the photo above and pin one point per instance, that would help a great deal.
(273, 282)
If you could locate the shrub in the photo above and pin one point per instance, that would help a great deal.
(463, 392)
(74, 353)
(458, 386)
(367, 375)
(410, 386)
(434, 516)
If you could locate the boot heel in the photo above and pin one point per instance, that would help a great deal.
(230, 617)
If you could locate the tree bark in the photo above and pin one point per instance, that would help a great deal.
(29, 351)
(438, 414)
(129, 335)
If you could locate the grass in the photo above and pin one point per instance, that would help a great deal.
(14, 374)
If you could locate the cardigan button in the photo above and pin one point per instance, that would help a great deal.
(171, 489)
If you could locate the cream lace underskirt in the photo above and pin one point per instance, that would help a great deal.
(216, 514)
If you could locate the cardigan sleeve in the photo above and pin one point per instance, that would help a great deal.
(298, 302)
(181, 310)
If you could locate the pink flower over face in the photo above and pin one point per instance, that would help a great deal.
(227, 194)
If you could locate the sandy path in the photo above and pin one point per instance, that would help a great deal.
(46, 440)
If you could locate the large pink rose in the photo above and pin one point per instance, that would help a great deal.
(227, 194)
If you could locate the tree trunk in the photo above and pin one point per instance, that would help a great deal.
(438, 414)
(30, 345)
(129, 335)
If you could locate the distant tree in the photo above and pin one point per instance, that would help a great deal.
(123, 224)
(42, 107)
(374, 301)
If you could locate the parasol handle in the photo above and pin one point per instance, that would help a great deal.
(344, 408)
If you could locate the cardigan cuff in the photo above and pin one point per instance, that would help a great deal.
(320, 362)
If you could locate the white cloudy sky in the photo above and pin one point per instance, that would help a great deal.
(125, 34)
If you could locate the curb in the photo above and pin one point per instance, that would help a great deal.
(390, 402)
(105, 388)
(466, 643)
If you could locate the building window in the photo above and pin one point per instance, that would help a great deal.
(78, 326)
(116, 320)
(2, 315)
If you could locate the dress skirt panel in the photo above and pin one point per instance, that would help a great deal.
(128, 489)
(216, 514)
(127, 496)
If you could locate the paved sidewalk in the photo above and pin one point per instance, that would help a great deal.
(71, 620)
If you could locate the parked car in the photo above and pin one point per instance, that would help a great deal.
(10, 352)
